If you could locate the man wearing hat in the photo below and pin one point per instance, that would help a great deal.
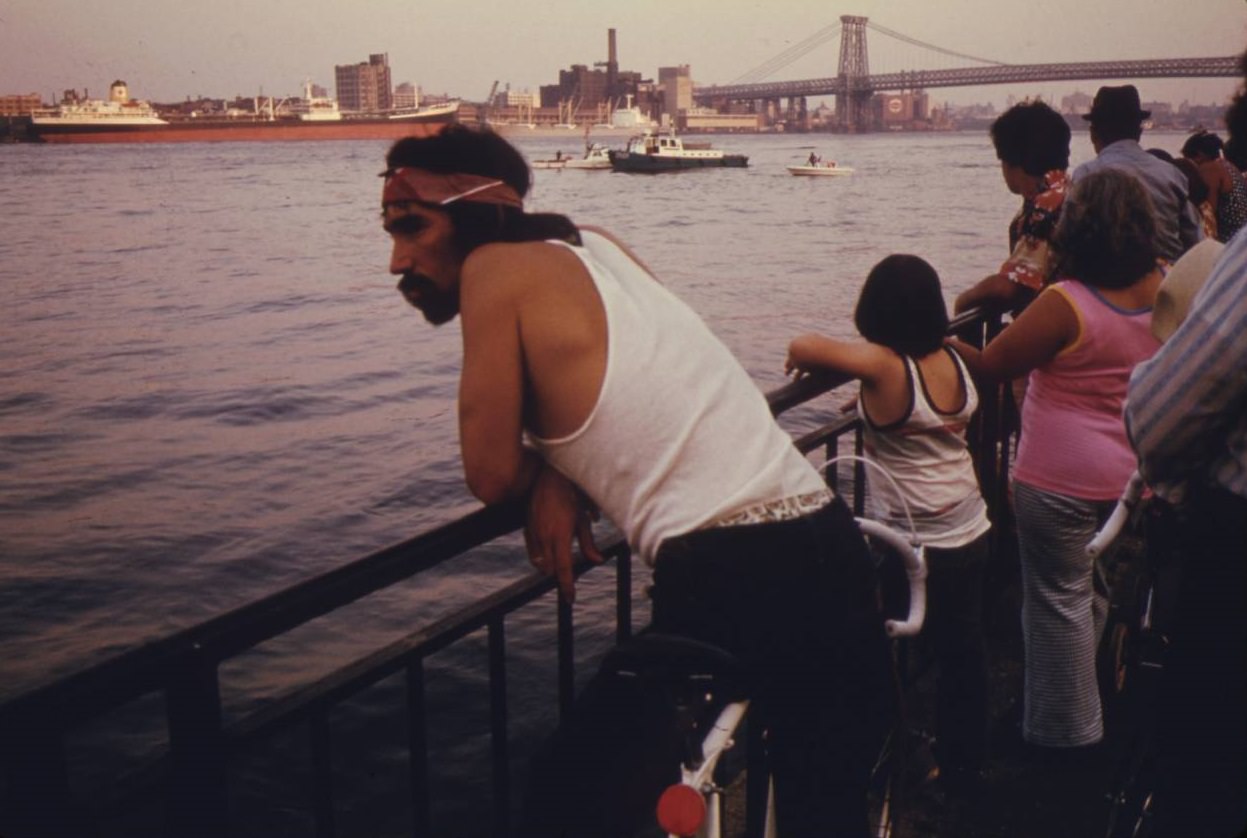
(1116, 120)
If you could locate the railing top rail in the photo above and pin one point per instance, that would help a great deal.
(135, 672)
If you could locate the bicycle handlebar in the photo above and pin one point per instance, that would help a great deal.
(1117, 520)
(914, 557)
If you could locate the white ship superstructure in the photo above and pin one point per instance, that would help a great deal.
(117, 110)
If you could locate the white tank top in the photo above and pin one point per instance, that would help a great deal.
(926, 452)
(680, 435)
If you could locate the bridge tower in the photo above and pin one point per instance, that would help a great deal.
(852, 93)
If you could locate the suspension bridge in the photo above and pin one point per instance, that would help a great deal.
(854, 85)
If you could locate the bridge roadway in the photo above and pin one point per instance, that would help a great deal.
(1226, 66)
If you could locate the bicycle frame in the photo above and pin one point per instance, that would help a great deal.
(1121, 513)
(693, 806)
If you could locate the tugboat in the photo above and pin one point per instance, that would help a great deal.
(650, 152)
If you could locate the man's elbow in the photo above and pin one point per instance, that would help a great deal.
(490, 486)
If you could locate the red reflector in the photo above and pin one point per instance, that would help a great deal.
(681, 810)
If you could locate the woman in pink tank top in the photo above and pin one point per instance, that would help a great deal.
(1078, 341)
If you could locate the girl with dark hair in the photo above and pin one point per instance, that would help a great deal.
(915, 401)
(1078, 341)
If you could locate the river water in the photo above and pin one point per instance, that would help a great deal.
(210, 390)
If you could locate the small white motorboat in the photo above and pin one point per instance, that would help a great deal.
(597, 156)
(829, 169)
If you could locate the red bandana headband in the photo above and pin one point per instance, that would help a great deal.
(409, 184)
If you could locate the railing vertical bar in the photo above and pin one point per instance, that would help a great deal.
(34, 788)
(567, 659)
(197, 804)
(322, 773)
(623, 596)
(498, 727)
(859, 474)
(831, 473)
(418, 750)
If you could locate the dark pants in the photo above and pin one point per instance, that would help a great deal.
(796, 602)
(1201, 727)
(954, 632)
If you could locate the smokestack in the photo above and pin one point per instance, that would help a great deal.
(612, 66)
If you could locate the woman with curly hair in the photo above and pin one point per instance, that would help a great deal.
(1079, 341)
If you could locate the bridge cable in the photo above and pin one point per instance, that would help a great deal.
(915, 42)
(792, 53)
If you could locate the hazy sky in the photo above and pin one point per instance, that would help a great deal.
(169, 49)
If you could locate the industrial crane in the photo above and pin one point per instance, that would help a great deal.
(489, 104)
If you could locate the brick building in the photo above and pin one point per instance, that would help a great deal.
(365, 87)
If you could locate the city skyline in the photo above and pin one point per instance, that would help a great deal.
(459, 48)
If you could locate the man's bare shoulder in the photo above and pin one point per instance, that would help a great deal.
(519, 273)
(516, 260)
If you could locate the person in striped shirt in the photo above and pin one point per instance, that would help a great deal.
(1186, 414)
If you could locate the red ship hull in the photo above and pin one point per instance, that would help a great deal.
(208, 132)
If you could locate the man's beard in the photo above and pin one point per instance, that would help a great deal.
(436, 305)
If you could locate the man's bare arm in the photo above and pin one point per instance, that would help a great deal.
(493, 387)
(995, 290)
(491, 390)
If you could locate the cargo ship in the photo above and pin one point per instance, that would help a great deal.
(120, 119)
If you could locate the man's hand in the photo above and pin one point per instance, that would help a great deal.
(557, 510)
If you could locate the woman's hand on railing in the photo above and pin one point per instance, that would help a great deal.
(558, 512)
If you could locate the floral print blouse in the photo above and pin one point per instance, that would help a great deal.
(1031, 262)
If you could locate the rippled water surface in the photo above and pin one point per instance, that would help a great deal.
(210, 390)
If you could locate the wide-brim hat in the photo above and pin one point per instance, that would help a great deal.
(1179, 287)
(1117, 105)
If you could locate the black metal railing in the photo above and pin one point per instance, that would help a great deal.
(189, 777)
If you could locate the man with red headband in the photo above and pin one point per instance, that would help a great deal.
(588, 385)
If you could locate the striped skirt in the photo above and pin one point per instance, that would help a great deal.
(1062, 617)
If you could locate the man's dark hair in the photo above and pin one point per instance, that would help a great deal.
(1202, 142)
(1161, 154)
(901, 306)
(1032, 136)
(459, 149)
(1107, 233)
(1197, 188)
